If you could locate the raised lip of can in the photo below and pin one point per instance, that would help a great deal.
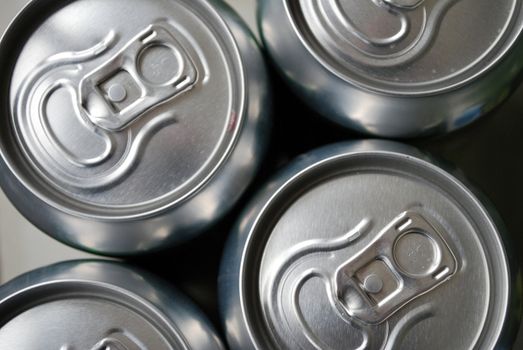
(144, 294)
(239, 261)
(237, 59)
(508, 47)
(146, 234)
(111, 293)
(375, 113)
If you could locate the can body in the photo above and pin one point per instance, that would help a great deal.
(368, 245)
(391, 70)
(99, 305)
(137, 135)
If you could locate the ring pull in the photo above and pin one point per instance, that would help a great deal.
(408, 258)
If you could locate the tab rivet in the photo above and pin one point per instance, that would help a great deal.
(373, 284)
(117, 93)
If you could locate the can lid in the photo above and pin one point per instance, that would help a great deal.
(73, 306)
(108, 96)
(81, 322)
(407, 46)
(365, 246)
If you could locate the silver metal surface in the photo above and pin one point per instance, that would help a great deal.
(99, 306)
(133, 133)
(396, 68)
(152, 68)
(407, 259)
(367, 245)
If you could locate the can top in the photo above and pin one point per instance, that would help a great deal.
(407, 47)
(365, 246)
(80, 322)
(95, 306)
(121, 108)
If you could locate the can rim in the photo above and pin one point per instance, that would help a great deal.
(508, 47)
(38, 289)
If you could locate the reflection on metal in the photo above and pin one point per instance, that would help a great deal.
(118, 341)
(152, 68)
(105, 101)
(172, 104)
(407, 259)
(389, 68)
(404, 42)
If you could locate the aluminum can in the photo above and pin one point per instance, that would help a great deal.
(368, 245)
(99, 305)
(129, 125)
(396, 68)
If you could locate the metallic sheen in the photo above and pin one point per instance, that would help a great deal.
(137, 127)
(367, 245)
(96, 305)
(397, 68)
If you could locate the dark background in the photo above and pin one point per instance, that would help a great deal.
(487, 152)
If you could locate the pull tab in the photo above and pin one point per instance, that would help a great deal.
(406, 260)
(152, 68)
(406, 4)
(117, 341)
